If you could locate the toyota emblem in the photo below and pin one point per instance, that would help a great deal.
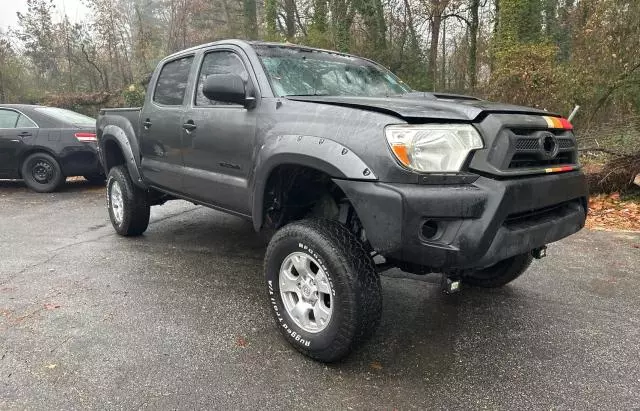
(549, 144)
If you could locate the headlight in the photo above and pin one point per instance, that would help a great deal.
(433, 147)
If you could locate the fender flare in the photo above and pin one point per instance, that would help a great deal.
(128, 146)
(318, 153)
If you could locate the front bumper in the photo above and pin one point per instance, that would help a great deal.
(476, 225)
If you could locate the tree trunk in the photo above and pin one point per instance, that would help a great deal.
(271, 17)
(290, 19)
(341, 19)
(250, 19)
(473, 44)
(436, 22)
(443, 73)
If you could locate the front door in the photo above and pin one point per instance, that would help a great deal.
(161, 127)
(15, 129)
(218, 140)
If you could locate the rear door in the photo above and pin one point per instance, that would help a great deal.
(16, 130)
(161, 128)
(218, 143)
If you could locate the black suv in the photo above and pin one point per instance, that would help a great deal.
(356, 171)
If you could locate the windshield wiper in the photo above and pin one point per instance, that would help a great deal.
(305, 95)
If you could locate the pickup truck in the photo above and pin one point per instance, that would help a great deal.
(352, 172)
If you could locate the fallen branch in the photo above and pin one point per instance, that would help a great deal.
(604, 150)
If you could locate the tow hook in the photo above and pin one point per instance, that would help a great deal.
(540, 252)
(450, 283)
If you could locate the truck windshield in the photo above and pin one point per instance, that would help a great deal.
(307, 72)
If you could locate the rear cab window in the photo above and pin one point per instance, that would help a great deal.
(172, 82)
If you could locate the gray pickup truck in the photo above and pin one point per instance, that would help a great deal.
(352, 170)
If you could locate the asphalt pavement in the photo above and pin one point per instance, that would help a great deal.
(179, 319)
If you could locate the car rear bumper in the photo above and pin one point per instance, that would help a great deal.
(468, 225)
(80, 159)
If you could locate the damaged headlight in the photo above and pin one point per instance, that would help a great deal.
(433, 147)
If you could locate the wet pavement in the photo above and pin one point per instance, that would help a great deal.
(178, 319)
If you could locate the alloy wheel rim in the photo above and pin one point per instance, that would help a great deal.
(306, 292)
(116, 201)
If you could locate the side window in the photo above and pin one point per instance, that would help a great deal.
(25, 122)
(218, 62)
(8, 118)
(172, 82)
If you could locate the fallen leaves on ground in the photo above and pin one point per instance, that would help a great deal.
(241, 342)
(609, 212)
(375, 365)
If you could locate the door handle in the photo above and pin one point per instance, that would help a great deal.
(189, 126)
(147, 124)
(25, 134)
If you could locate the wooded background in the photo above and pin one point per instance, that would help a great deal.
(552, 54)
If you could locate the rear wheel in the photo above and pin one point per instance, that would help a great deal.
(128, 206)
(500, 273)
(325, 294)
(42, 173)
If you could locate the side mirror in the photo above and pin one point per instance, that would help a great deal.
(228, 88)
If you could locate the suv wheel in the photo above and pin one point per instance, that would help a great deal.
(324, 292)
(42, 173)
(127, 204)
(500, 273)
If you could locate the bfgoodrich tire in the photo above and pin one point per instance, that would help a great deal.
(127, 204)
(501, 273)
(324, 292)
(42, 173)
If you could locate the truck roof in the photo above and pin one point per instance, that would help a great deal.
(252, 43)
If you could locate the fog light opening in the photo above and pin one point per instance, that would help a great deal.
(430, 229)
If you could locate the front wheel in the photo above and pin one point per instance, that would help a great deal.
(501, 273)
(127, 204)
(324, 292)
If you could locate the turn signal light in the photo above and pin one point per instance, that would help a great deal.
(558, 122)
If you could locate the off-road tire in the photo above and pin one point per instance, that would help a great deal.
(55, 178)
(135, 207)
(500, 273)
(95, 179)
(357, 296)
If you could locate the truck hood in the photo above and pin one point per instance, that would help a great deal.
(423, 106)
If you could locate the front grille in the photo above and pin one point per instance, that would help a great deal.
(525, 144)
(532, 160)
(528, 152)
(566, 143)
(517, 145)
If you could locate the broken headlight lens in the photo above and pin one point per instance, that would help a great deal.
(433, 147)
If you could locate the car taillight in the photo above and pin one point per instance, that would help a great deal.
(86, 137)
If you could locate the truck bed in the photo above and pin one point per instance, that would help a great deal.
(131, 113)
